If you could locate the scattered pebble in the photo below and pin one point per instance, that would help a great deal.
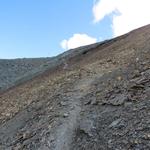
(114, 123)
(65, 115)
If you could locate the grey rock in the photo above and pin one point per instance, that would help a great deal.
(118, 100)
(87, 102)
(94, 102)
(63, 103)
(65, 115)
(87, 127)
(128, 104)
(147, 92)
(114, 123)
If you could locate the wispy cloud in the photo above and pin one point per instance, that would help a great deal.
(127, 14)
(77, 40)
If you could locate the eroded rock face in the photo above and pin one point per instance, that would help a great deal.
(100, 101)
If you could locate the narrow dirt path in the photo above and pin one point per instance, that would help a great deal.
(65, 131)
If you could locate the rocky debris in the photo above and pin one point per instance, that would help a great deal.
(97, 102)
(90, 99)
(91, 102)
(124, 127)
(117, 100)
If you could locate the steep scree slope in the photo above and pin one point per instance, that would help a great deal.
(15, 69)
(96, 98)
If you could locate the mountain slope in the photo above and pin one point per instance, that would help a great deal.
(94, 97)
(15, 69)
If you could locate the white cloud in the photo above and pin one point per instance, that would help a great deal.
(127, 14)
(77, 40)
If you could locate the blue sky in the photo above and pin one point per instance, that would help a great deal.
(35, 28)
(45, 28)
